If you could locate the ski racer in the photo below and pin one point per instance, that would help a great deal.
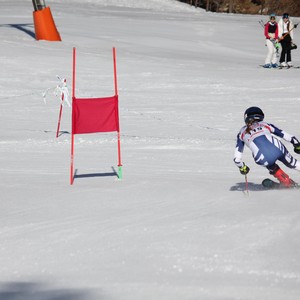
(266, 149)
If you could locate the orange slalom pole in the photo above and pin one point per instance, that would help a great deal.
(60, 114)
(115, 71)
(72, 133)
(120, 171)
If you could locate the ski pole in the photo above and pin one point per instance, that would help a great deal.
(246, 185)
(261, 22)
(295, 26)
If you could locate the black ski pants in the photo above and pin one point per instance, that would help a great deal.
(286, 49)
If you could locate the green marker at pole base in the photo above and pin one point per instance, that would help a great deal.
(120, 174)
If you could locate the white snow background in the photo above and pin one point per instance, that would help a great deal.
(178, 226)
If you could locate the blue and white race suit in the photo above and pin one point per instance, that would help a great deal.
(265, 147)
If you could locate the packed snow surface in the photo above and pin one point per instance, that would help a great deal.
(179, 225)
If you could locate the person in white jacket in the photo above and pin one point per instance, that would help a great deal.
(285, 37)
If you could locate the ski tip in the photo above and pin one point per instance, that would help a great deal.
(270, 184)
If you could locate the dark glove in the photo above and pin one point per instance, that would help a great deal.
(244, 170)
(297, 148)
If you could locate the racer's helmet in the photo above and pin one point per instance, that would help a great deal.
(252, 114)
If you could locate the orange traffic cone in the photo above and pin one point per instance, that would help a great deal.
(44, 25)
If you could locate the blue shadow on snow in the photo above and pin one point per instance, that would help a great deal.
(22, 27)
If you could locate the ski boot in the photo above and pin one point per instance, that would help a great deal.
(283, 178)
(267, 66)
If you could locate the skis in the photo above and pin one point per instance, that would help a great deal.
(280, 68)
(289, 67)
(273, 185)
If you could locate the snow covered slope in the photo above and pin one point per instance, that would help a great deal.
(178, 226)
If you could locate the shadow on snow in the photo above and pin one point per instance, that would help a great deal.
(241, 186)
(40, 291)
(22, 27)
(89, 175)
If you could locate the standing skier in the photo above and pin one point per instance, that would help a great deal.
(271, 34)
(285, 33)
(266, 149)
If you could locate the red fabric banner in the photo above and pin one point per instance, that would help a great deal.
(95, 115)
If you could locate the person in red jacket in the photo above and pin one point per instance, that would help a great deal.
(271, 34)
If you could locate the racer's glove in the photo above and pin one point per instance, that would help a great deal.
(244, 170)
(297, 148)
